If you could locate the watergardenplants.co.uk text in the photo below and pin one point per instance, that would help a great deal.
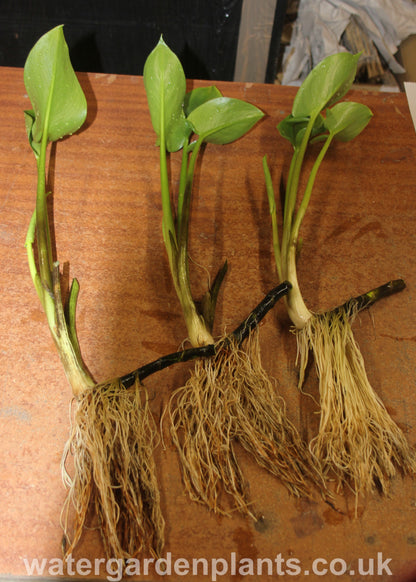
(213, 568)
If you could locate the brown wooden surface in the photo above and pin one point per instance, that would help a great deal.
(358, 233)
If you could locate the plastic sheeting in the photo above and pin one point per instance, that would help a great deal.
(320, 25)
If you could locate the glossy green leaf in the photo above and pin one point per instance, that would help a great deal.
(165, 84)
(198, 96)
(223, 120)
(58, 102)
(326, 84)
(347, 120)
(293, 128)
(178, 133)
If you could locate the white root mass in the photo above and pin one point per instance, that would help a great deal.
(358, 444)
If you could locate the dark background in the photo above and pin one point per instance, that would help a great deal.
(115, 36)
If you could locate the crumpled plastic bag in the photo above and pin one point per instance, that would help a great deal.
(320, 25)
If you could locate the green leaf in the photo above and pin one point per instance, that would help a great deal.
(198, 96)
(178, 133)
(58, 102)
(347, 120)
(165, 84)
(326, 84)
(30, 119)
(293, 128)
(223, 120)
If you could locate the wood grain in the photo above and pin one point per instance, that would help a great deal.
(358, 233)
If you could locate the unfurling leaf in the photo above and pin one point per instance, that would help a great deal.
(30, 119)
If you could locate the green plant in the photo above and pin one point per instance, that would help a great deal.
(228, 397)
(113, 432)
(59, 109)
(357, 440)
(176, 117)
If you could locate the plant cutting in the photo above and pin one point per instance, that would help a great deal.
(113, 432)
(228, 398)
(357, 444)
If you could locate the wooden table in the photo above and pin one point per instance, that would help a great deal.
(358, 233)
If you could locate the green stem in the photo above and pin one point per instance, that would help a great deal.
(273, 213)
(168, 226)
(293, 183)
(197, 327)
(48, 288)
(308, 190)
(297, 309)
(184, 201)
(182, 186)
(29, 243)
(47, 279)
(176, 239)
(43, 239)
(289, 203)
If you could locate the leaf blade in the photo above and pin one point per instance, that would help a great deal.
(198, 96)
(165, 85)
(347, 120)
(224, 119)
(57, 99)
(326, 84)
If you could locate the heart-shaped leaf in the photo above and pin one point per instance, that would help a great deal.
(58, 102)
(347, 120)
(223, 120)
